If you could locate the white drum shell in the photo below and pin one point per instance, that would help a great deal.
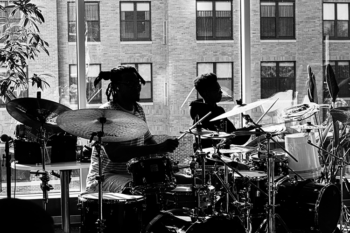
(308, 165)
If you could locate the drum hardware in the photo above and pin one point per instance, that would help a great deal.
(38, 113)
(341, 179)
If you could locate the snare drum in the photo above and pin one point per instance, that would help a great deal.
(308, 206)
(252, 191)
(181, 196)
(308, 165)
(152, 174)
(121, 212)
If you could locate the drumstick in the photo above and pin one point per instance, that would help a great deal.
(266, 111)
(188, 96)
(182, 135)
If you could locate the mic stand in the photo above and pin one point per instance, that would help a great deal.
(100, 177)
(8, 167)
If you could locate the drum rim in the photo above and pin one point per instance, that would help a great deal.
(111, 201)
(317, 204)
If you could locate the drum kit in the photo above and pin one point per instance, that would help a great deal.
(240, 189)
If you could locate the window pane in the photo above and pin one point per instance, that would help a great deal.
(285, 84)
(286, 27)
(127, 7)
(93, 31)
(328, 28)
(268, 87)
(204, 6)
(286, 9)
(127, 30)
(143, 15)
(204, 68)
(268, 9)
(91, 11)
(226, 88)
(205, 27)
(268, 70)
(143, 29)
(142, 7)
(342, 11)
(268, 27)
(223, 27)
(146, 91)
(342, 28)
(343, 79)
(145, 71)
(224, 70)
(286, 69)
(223, 6)
(328, 11)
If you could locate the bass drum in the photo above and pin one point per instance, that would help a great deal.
(177, 220)
(308, 206)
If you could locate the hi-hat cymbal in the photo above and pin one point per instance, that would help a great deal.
(119, 126)
(341, 114)
(217, 135)
(36, 112)
(301, 111)
(200, 132)
(240, 109)
(308, 127)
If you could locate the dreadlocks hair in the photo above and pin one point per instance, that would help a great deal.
(115, 76)
(205, 81)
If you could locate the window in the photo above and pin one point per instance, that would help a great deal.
(92, 18)
(145, 70)
(277, 19)
(336, 20)
(7, 21)
(93, 95)
(214, 20)
(341, 71)
(277, 77)
(224, 72)
(18, 93)
(135, 21)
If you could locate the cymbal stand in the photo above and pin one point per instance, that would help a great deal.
(100, 177)
(272, 188)
(341, 178)
(45, 186)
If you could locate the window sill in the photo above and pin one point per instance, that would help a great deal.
(135, 42)
(145, 103)
(337, 41)
(89, 42)
(227, 103)
(278, 41)
(52, 195)
(214, 41)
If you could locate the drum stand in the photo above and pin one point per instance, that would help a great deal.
(272, 188)
(100, 178)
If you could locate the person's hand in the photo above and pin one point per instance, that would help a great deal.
(168, 145)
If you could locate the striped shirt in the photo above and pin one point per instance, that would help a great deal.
(109, 167)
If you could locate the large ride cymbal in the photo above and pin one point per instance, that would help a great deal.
(119, 126)
(240, 109)
(36, 112)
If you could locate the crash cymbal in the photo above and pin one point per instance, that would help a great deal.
(211, 150)
(240, 109)
(35, 112)
(200, 132)
(119, 126)
(217, 135)
(341, 114)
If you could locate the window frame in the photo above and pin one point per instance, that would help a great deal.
(146, 100)
(69, 83)
(277, 77)
(336, 21)
(135, 21)
(200, 38)
(277, 37)
(99, 21)
(215, 72)
(336, 72)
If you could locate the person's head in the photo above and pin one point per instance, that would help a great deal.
(125, 82)
(208, 87)
(24, 216)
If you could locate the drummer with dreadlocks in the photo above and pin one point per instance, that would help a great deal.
(123, 93)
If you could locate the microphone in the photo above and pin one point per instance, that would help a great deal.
(5, 138)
